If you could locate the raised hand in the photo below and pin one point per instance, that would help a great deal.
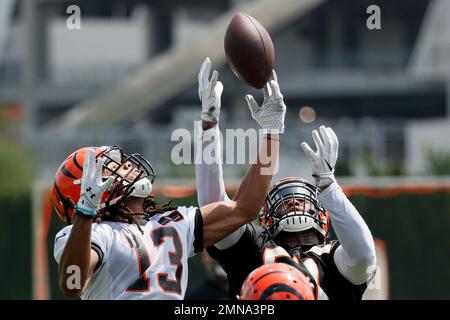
(325, 157)
(270, 116)
(209, 92)
(92, 185)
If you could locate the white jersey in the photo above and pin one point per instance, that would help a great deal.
(152, 265)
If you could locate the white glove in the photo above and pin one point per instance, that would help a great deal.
(209, 92)
(270, 116)
(324, 159)
(92, 186)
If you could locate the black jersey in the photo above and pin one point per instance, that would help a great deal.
(255, 249)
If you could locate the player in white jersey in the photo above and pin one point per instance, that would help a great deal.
(294, 223)
(121, 244)
(151, 264)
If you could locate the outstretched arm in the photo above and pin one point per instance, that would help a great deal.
(356, 254)
(223, 218)
(208, 172)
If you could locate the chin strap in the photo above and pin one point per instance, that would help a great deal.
(142, 188)
(296, 221)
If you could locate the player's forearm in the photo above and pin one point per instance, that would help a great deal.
(222, 218)
(253, 189)
(358, 248)
(209, 177)
(351, 229)
(209, 174)
(76, 257)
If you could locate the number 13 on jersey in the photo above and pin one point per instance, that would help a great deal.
(167, 283)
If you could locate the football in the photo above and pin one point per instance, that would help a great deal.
(249, 50)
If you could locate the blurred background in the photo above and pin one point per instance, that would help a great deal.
(128, 76)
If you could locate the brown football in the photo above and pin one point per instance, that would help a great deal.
(249, 50)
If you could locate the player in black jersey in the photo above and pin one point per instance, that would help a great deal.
(294, 222)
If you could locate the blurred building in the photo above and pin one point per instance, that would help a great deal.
(357, 80)
(131, 70)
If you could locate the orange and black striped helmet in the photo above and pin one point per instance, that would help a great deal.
(67, 184)
(277, 281)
